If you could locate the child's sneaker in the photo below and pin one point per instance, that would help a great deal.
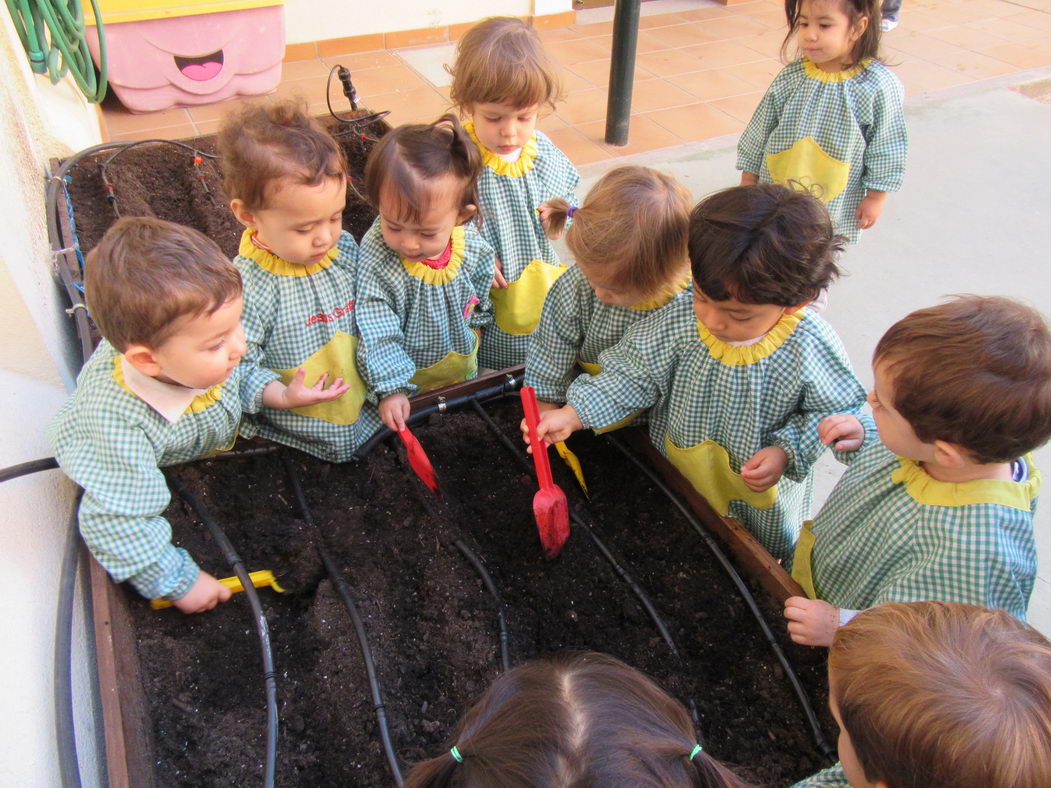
(888, 24)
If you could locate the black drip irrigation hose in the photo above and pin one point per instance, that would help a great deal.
(269, 676)
(487, 579)
(26, 468)
(746, 594)
(65, 728)
(579, 521)
(343, 589)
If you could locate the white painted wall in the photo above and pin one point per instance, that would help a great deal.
(37, 362)
(317, 20)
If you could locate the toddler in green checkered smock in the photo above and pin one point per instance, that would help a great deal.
(501, 80)
(425, 272)
(165, 385)
(938, 498)
(737, 376)
(833, 121)
(286, 178)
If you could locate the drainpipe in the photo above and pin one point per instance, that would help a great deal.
(622, 70)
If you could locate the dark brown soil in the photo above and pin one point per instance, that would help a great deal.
(430, 621)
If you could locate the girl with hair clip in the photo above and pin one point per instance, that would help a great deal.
(502, 79)
(629, 242)
(738, 376)
(572, 720)
(833, 120)
(425, 272)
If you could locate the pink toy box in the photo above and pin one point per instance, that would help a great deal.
(162, 55)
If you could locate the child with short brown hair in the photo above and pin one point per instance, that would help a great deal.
(164, 386)
(938, 498)
(628, 240)
(286, 178)
(736, 378)
(939, 695)
(576, 719)
(502, 79)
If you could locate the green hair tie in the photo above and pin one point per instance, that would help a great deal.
(696, 749)
(455, 753)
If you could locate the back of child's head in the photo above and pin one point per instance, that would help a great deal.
(944, 695)
(975, 372)
(633, 225)
(405, 166)
(763, 244)
(572, 720)
(265, 146)
(147, 273)
(868, 43)
(501, 59)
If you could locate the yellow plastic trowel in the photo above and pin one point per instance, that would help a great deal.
(264, 577)
(570, 459)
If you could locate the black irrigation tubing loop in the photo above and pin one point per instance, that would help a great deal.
(343, 589)
(746, 594)
(269, 675)
(26, 468)
(580, 522)
(198, 157)
(487, 579)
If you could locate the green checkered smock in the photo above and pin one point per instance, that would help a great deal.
(510, 193)
(720, 404)
(833, 777)
(575, 327)
(303, 316)
(857, 120)
(412, 317)
(113, 445)
(889, 532)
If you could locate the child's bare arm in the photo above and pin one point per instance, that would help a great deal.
(204, 594)
(297, 394)
(749, 179)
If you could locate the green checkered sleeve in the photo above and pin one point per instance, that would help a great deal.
(480, 261)
(551, 361)
(833, 777)
(886, 136)
(751, 147)
(260, 304)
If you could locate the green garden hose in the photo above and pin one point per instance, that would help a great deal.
(52, 33)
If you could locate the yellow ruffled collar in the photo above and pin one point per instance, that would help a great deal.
(440, 276)
(515, 169)
(654, 303)
(925, 489)
(269, 261)
(742, 355)
(816, 72)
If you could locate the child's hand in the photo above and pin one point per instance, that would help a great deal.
(498, 277)
(870, 208)
(545, 219)
(811, 622)
(842, 432)
(394, 411)
(749, 178)
(764, 469)
(204, 594)
(555, 425)
(298, 394)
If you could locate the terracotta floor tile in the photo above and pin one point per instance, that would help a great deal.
(958, 13)
(732, 27)
(921, 19)
(177, 132)
(593, 29)
(1008, 31)
(213, 112)
(697, 122)
(683, 35)
(583, 106)
(421, 105)
(774, 19)
(649, 43)
(1031, 18)
(768, 44)
(758, 75)
(652, 94)
(389, 79)
(741, 107)
(207, 127)
(922, 45)
(720, 54)
(662, 20)
(711, 12)
(975, 65)
(577, 50)
(549, 123)
(967, 36)
(643, 135)
(121, 121)
(713, 84)
(920, 77)
(596, 72)
(310, 90)
(578, 148)
(572, 81)
(668, 62)
(1022, 56)
(360, 61)
(555, 34)
(302, 69)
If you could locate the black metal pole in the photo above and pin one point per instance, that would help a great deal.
(622, 70)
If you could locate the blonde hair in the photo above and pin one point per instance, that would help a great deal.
(501, 59)
(262, 144)
(146, 273)
(944, 695)
(635, 224)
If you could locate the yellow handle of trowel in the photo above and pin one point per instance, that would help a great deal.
(571, 460)
(264, 577)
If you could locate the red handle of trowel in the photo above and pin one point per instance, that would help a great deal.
(540, 458)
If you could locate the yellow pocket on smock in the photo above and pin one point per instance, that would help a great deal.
(454, 368)
(802, 568)
(808, 165)
(337, 358)
(516, 308)
(707, 466)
